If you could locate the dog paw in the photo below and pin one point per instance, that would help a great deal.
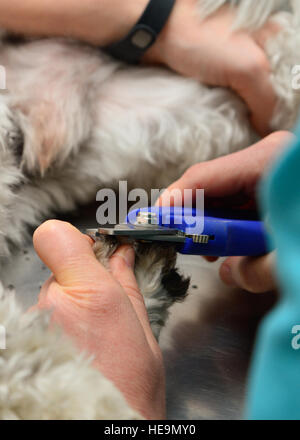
(157, 276)
(159, 281)
(104, 248)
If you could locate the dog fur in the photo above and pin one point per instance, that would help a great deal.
(158, 279)
(86, 121)
(73, 121)
(43, 376)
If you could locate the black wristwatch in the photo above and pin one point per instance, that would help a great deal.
(141, 37)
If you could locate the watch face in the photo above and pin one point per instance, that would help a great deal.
(142, 39)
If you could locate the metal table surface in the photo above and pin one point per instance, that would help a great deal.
(206, 343)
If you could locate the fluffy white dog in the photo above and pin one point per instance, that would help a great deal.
(72, 121)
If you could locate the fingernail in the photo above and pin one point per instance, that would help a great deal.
(226, 275)
(211, 259)
(128, 254)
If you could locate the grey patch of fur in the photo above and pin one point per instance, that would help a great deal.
(158, 279)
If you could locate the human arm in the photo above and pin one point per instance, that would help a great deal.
(98, 22)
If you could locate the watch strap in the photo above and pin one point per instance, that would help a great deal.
(144, 33)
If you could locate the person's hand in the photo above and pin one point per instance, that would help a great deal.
(103, 312)
(231, 181)
(211, 52)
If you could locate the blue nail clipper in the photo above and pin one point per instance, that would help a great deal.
(192, 232)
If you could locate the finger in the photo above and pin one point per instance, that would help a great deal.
(255, 275)
(261, 115)
(67, 252)
(229, 175)
(122, 269)
(252, 82)
(219, 177)
(262, 36)
(269, 30)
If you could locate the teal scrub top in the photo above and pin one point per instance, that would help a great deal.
(274, 383)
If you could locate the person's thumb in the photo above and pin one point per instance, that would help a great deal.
(255, 275)
(68, 253)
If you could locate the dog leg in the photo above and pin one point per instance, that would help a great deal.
(51, 86)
